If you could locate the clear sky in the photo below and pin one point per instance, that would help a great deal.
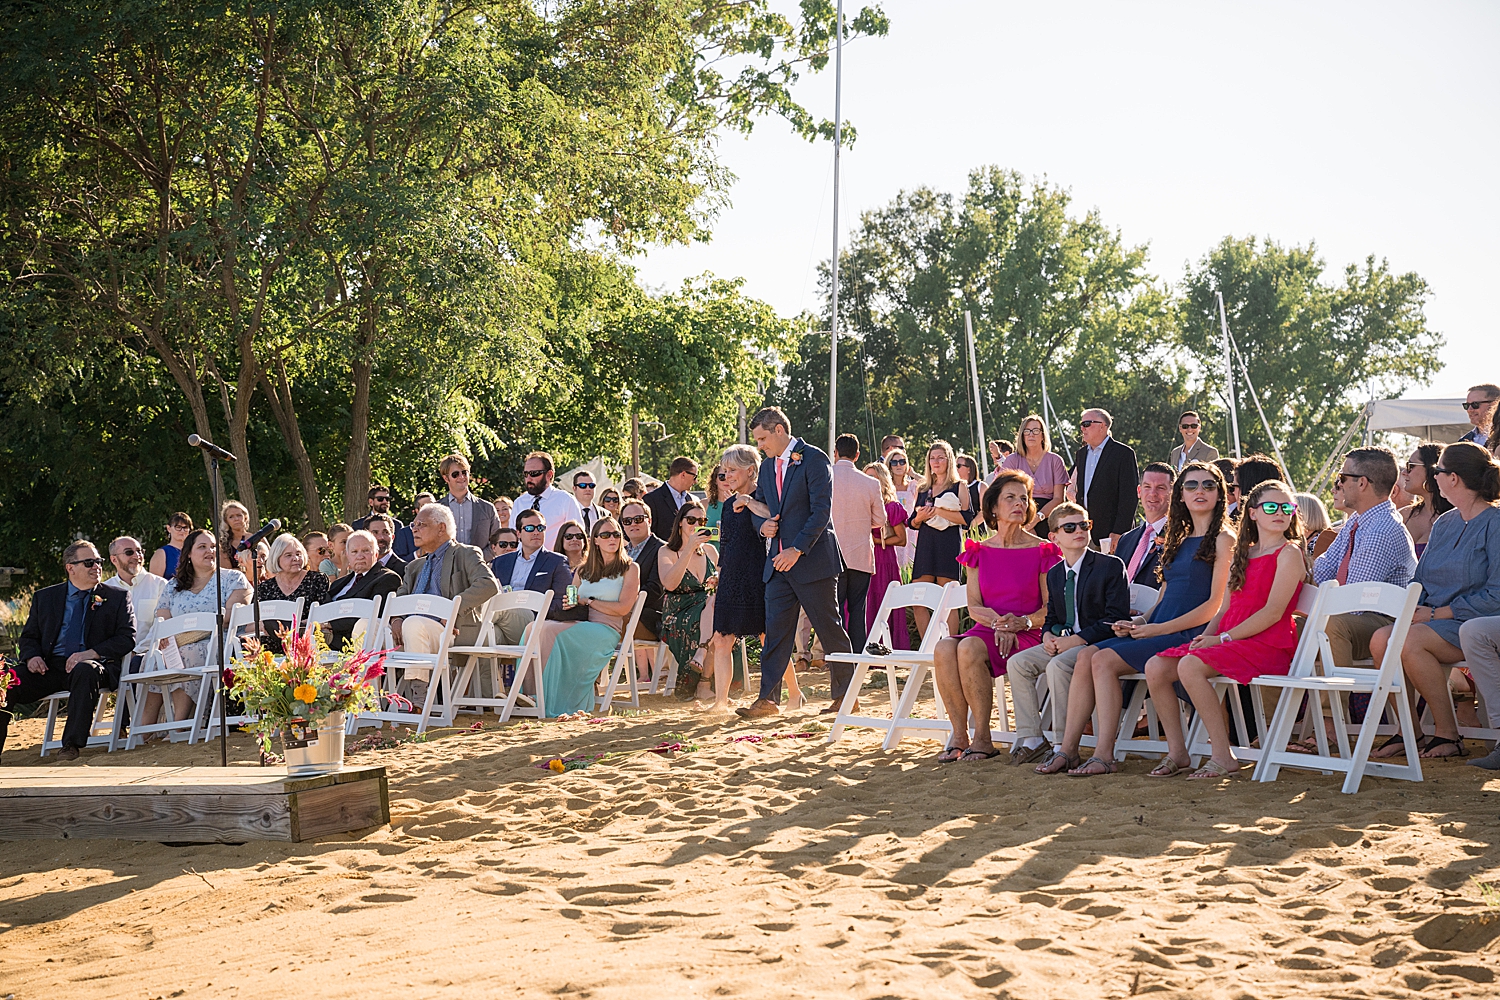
(1367, 127)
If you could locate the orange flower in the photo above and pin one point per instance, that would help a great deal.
(556, 765)
(305, 693)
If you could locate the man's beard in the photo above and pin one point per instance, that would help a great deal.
(538, 489)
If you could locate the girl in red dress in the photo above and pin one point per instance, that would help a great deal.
(1251, 635)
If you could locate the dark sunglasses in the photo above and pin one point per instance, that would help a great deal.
(583, 486)
(1475, 406)
(506, 545)
(96, 561)
(608, 534)
(896, 461)
(610, 500)
(1415, 465)
(1200, 485)
(1188, 427)
(723, 477)
(637, 519)
(1271, 507)
(535, 473)
(1089, 423)
(381, 499)
(1439, 468)
(695, 520)
(458, 474)
(1348, 475)
(1068, 527)
(574, 536)
(132, 552)
(532, 528)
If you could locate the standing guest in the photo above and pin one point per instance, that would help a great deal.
(584, 489)
(1460, 576)
(688, 567)
(942, 505)
(164, 559)
(1371, 547)
(555, 505)
(74, 639)
(907, 484)
(503, 507)
(1493, 435)
(1035, 457)
(632, 489)
(968, 474)
(667, 498)
(610, 501)
(1086, 594)
(572, 544)
(1140, 547)
(405, 545)
(1428, 502)
(713, 501)
(888, 541)
(336, 564)
(740, 601)
(1480, 640)
(234, 527)
(1480, 407)
(1226, 468)
(857, 510)
(528, 567)
(378, 499)
(290, 579)
(1000, 450)
(797, 488)
(1008, 602)
(1107, 477)
(194, 590)
(476, 518)
(1193, 572)
(1193, 448)
(890, 443)
(367, 580)
(1251, 635)
(381, 528)
(1316, 523)
(607, 586)
(642, 545)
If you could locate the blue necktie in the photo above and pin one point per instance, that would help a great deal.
(72, 637)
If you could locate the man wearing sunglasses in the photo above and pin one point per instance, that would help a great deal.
(378, 498)
(667, 498)
(556, 506)
(74, 639)
(524, 564)
(477, 519)
(1107, 473)
(1193, 448)
(144, 588)
(1480, 407)
(584, 491)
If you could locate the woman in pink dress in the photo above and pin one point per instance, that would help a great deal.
(1007, 591)
(1251, 635)
(888, 545)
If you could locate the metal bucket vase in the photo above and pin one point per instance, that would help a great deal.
(314, 751)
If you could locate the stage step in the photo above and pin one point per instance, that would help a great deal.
(188, 804)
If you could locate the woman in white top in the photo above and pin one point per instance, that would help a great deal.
(193, 590)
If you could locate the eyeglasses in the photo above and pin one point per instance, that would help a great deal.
(1271, 507)
(695, 520)
(1030, 430)
(132, 552)
(574, 536)
(533, 528)
(90, 563)
(458, 474)
(1089, 423)
(1199, 486)
(1348, 475)
(608, 534)
(506, 545)
(1475, 406)
(1068, 527)
(583, 486)
(896, 461)
(1446, 472)
(534, 473)
(637, 519)
(1188, 427)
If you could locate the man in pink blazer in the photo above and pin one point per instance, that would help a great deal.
(857, 509)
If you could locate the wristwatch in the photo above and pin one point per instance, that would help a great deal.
(1225, 637)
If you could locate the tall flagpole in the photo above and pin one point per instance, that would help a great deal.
(1234, 411)
(984, 445)
(838, 145)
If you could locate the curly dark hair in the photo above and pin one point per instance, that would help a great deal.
(1180, 520)
(1429, 453)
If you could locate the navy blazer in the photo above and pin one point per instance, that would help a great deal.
(806, 510)
(550, 573)
(108, 628)
(1146, 574)
(1100, 593)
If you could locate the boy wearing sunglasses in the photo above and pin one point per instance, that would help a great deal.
(1086, 592)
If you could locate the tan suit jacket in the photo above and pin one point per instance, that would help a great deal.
(465, 574)
(857, 509)
(1201, 452)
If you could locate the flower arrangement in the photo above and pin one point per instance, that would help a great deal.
(8, 680)
(304, 686)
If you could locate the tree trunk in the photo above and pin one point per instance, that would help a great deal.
(279, 397)
(357, 464)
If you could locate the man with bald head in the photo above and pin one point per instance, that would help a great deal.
(1107, 475)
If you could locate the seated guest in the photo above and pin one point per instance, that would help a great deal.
(1086, 594)
(381, 528)
(74, 639)
(1481, 405)
(642, 546)
(1035, 457)
(1480, 640)
(1460, 576)
(1140, 547)
(1315, 523)
(1371, 547)
(234, 527)
(1428, 502)
(607, 586)
(572, 544)
(689, 571)
(1251, 635)
(1251, 472)
(336, 563)
(193, 591)
(317, 546)
(529, 567)
(1193, 447)
(1007, 588)
(632, 489)
(610, 501)
(1192, 574)
(367, 580)
(1231, 487)
(378, 499)
(667, 498)
(146, 591)
(164, 560)
(404, 544)
(290, 579)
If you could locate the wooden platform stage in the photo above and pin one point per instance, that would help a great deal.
(188, 804)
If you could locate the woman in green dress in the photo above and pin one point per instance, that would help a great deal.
(689, 572)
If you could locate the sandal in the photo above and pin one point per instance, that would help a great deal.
(1056, 764)
(1443, 741)
(950, 754)
(1395, 741)
(1087, 769)
(1212, 769)
(1166, 768)
(972, 755)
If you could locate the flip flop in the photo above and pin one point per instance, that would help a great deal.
(1212, 769)
(1395, 741)
(1056, 764)
(972, 755)
(1166, 769)
(1443, 741)
(950, 754)
(1084, 770)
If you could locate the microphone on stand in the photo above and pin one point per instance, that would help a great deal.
(210, 448)
(249, 543)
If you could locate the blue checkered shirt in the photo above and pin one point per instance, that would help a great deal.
(1383, 552)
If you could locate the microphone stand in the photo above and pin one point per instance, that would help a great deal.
(223, 691)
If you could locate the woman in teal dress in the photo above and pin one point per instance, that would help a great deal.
(608, 584)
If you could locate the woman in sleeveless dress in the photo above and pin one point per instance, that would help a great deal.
(688, 568)
(608, 585)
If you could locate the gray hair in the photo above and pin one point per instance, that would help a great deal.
(123, 538)
(283, 544)
(362, 533)
(443, 514)
(741, 456)
(1109, 421)
(76, 547)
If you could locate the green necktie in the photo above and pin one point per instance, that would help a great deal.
(1068, 599)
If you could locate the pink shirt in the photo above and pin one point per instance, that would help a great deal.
(1050, 476)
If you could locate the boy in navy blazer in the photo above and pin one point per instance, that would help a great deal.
(547, 571)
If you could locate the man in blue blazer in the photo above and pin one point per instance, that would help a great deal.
(531, 567)
(803, 571)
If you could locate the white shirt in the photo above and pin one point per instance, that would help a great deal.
(521, 572)
(145, 592)
(590, 515)
(785, 458)
(1091, 462)
(556, 506)
(678, 497)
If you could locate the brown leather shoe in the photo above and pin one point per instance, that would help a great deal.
(762, 709)
(68, 753)
(833, 707)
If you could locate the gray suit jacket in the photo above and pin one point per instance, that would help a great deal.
(1201, 452)
(465, 574)
(486, 522)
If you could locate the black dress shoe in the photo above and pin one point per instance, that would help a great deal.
(68, 753)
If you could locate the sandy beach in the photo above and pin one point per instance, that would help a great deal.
(776, 866)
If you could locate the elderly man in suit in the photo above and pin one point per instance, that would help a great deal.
(665, 500)
(366, 580)
(857, 508)
(1193, 448)
(73, 641)
(1140, 546)
(805, 564)
(531, 567)
(1107, 475)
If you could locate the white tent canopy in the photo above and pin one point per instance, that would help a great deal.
(1440, 420)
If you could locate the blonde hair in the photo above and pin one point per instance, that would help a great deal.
(1061, 511)
(1021, 434)
(926, 483)
(882, 475)
(283, 544)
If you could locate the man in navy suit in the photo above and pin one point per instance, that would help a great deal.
(803, 571)
(73, 641)
(1140, 547)
(531, 567)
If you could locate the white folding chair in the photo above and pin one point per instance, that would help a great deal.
(243, 616)
(622, 666)
(897, 596)
(156, 669)
(1385, 684)
(365, 609)
(101, 728)
(663, 665)
(399, 663)
(903, 722)
(489, 651)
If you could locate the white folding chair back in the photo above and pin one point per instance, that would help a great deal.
(1386, 685)
(155, 670)
(366, 609)
(623, 665)
(243, 616)
(904, 721)
(488, 652)
(437, 704)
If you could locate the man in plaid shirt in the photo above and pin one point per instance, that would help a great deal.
(1373, 546)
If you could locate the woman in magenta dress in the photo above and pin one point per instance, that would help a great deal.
(1007, 592)
(1251, 635)
(888, 545)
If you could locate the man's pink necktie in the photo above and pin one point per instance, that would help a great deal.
(780, 469)
(1148, 538)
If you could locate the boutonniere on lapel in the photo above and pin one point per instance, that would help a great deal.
(98, 600)
(796, 458)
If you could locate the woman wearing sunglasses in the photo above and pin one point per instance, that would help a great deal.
(572, 544)
(1251, 635)
(689, 573)
(1428, 503)
(905, 483)
(608, 584)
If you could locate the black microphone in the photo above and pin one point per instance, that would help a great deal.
(208, 446)
(273, 524)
